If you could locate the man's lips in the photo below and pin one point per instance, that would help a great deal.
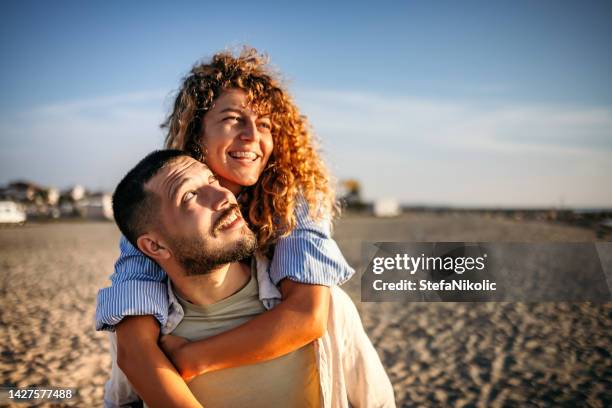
(230, 218)
(232, 224)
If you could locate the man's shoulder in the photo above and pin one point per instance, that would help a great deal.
(342, 307)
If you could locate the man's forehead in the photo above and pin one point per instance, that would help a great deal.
(173, 173)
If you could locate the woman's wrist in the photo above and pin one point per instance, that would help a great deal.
(180, 351)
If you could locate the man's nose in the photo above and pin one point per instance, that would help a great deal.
(249, 130)
(221, 198)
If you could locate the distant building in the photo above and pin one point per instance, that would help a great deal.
(350, 192)
(70, 201)
(349, 195)
(37, 202)
(74, 193)
(97, 206)
(21, 191)
(11, 213)
(386, 207)
(52, 195)
(67, 209)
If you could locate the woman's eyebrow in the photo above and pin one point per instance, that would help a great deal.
(237, 110)
(242, 111)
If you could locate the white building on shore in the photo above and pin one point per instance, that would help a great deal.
(97, 206)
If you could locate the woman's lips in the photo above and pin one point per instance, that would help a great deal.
(244, 160)
(244, 155)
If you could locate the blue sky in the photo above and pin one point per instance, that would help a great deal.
(470, 103)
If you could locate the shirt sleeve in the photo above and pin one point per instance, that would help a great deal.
(138, 287)
(309, 254)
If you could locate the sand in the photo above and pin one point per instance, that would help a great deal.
(436, 354)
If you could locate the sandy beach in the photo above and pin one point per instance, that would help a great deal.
(436, 354)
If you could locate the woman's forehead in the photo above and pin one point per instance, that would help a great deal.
(243, 100)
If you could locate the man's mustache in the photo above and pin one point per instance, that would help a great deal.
(226, 214)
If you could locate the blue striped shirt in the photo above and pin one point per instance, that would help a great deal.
(307, 255)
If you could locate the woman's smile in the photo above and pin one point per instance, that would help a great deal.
(237, 139)
(244, 156)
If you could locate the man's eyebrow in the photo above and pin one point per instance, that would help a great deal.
(176, 187)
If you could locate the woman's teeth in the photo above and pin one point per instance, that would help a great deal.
(243, 155)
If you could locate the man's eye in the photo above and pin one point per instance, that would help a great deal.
(232, 118)
(189, 195)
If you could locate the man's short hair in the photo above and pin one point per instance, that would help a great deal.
(134, 206)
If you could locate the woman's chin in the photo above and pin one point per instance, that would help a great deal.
(247, 181)
(248, 178)
(235, 183)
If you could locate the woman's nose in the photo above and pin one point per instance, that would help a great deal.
(249, 131)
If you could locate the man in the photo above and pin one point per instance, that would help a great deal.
(172, 208)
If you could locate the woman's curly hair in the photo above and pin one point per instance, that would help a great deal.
(294, 168)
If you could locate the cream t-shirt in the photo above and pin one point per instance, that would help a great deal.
(291, 380)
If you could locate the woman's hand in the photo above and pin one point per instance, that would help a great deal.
(147, 368)
(174, 347)
(298, 320)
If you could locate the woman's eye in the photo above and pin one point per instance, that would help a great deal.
(232, 118)
(189, 195)
(265, 125)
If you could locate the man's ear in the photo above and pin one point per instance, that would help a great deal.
(150, 245)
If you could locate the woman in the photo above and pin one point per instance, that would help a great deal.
(236, 116)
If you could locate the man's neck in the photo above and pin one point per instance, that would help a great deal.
(218, 284)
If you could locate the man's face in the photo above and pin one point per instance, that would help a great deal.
(237, 139)
(200, 222)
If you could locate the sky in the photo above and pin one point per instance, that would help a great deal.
(437, 103)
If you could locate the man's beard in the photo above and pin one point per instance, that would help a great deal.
(198, 258)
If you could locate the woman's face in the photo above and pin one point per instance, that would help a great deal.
(237, 140)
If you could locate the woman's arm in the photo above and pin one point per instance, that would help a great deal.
(146, 366)
(298, 320)
(305, 263)
(138, 288)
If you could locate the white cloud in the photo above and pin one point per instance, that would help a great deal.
(91, 142)
(461, 152)
(426, 151)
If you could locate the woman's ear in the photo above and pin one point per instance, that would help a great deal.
(150, 245)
